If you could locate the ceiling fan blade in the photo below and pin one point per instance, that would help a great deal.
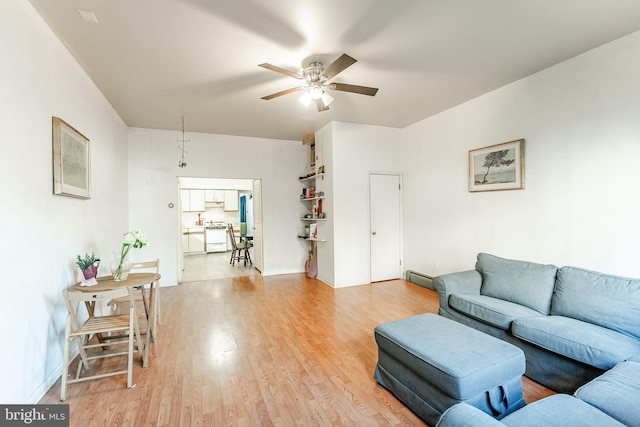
(282, 92)
(321, 106)
(281, 71)
(362, 90)
(338, 66)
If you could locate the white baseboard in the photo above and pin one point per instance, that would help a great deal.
(43, 388)
(280, 272)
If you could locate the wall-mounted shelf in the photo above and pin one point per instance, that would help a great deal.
(312, 239)
(312, 177)
(306, 199)
(312, 219)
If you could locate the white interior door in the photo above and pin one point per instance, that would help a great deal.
(385, 227)
(258, 260)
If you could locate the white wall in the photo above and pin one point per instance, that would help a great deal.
(325, 252)
(42, 233)
(357, 151)
(153, 184)
(581, 122)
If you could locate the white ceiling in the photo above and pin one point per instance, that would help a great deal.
(155, 60)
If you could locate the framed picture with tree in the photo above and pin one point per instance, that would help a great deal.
(497, 167)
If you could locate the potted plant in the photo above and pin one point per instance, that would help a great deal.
(89, 265)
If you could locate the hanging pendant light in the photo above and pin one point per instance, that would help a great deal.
(182, 163)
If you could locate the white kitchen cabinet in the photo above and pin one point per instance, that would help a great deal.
(195, 240)
(214, 196)
(192, 200)
(231, 202)
(197, 200)
(185, 200)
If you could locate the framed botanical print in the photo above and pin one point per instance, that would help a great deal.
(71, 161)
(497, 167)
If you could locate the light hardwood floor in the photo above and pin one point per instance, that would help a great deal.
(214, 266)
(253, 351)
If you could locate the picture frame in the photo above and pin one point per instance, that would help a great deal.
(71, 161)
(497, 167)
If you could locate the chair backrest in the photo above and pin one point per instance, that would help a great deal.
(146, 265)
(232, 237)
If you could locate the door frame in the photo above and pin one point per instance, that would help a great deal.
(180, 251)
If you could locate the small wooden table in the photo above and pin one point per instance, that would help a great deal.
(106, 283)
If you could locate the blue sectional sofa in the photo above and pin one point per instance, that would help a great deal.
(609, 400)
(572, 324)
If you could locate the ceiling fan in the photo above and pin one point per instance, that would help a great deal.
(316, 80)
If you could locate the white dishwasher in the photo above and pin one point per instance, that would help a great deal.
(216, 238)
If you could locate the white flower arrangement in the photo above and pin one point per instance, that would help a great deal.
(132, 239)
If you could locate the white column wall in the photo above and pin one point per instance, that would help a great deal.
(581, 123)
(42, 233)
(324, 151)
(357, 151)
(153, 172)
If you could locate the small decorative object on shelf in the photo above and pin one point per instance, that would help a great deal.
(89, 265)
(308, 193)
(120, 266)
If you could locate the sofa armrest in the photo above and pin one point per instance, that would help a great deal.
(462, 282)
(466, 415)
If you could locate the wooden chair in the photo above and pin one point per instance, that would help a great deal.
(141, 296)
(114, 330)
(239, 251)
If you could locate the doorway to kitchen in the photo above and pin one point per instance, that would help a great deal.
(209, 207)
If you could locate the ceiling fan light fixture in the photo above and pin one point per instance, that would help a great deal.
(316, 92)
(316, 79)
(305, 99)
(326, 99)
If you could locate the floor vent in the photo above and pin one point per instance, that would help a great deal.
(419, 279)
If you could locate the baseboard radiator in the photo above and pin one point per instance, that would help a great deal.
(419, 279)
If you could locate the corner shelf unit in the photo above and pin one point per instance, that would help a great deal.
(314, 204)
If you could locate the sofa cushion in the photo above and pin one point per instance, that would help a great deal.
(521, 282)
(605, 300)
(582, 341)
(616, 392)
(493, 311)
(559, 410)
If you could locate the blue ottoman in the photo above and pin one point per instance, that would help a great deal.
(431, 363)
